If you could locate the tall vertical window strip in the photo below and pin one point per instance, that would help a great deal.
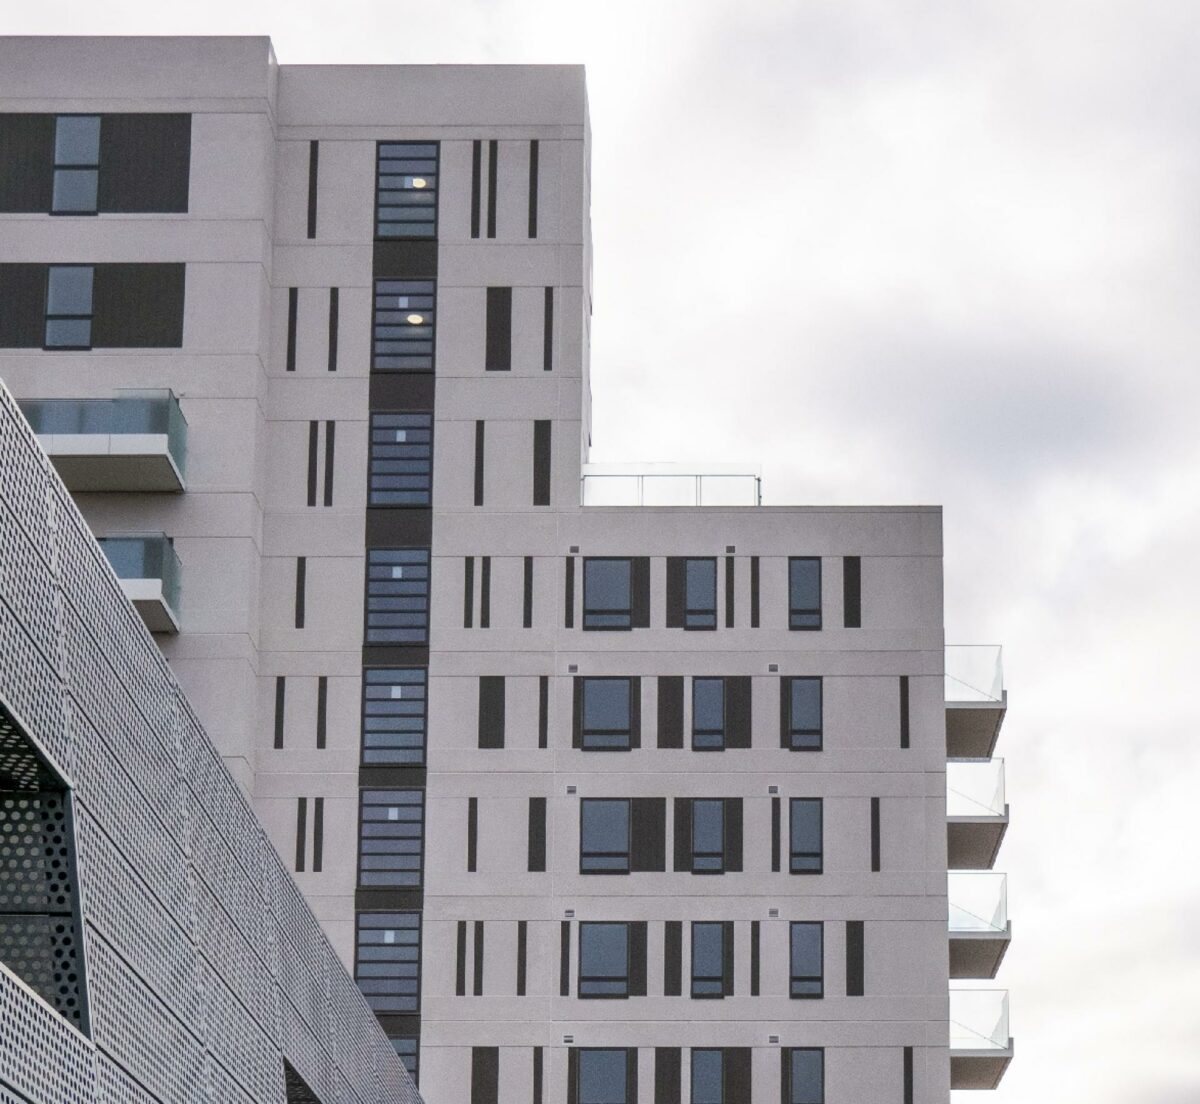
(803, 714)
(708, 1077)
(807, 850)
(76, 165)
(804, 592)
(708, 714)
(406, 193)
(803, 1075)
(69, 307)
(391, 829)
(387, 961)
(397, 596)
(403, 334)
(394, 716)
(401, 462)
(808, 960)
(708, 960)
(407, 1048)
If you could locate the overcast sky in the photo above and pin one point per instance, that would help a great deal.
(902, 251)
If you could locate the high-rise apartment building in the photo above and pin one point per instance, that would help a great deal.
(609, 786)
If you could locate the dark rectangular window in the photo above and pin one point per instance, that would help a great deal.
(397, 595)
(708, 834)
(491, 711)
(408, 1050)
(672, 958)
(330, 429)
(318, 833)
(564, 959)
(667, 1075)
(904, 714)
(476, 184)
(301, 832)
(527, 594)
(875, 857)
(391, 832)
(333, 330)
(543, 711)
(138, 306)
(538, 1075)
(649, 849)
(493, 174)
(908, 1075)
(472, 834)
(852, 592)
(479, 439)
(322, 709)
(708, 714)
(27, 152)
(670, 711)
(754, 592)
(776, 828)
(802, 721)
(478, 963)
(708, 1076)
(394, 716)
(406, 190)
(541, 463)
(485, 1075)
(803, 1075)
(712, 959)
(616, 592)
(854, 958)
(603, 1076)
(404, 326)
(485, 592)
(314, 152)
(804, 592)
(537, 835)
(522, 954)
(569, 592)
(604, 960)
(605, 835)
(808, 960)
(755, 956)
(460, 961)
(807, 847)
(314, 431)
(548, 331)
(533, 188)
(301, 588)
(730, 591)
(145, 162)
(292, 319)
(607, 714)
(76, 165)
(691, 593)
(387, 961)
(498, 354)
(280, 695)
(69, 306)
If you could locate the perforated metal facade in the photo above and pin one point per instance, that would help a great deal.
(208, 978)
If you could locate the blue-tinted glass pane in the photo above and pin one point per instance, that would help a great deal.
(808, 1077)
(607, 598)
(68, 333)
(708, 825)
(804, 591)
(807, 966)
(708, 1077)
(77, 140)
(387, 963)
(604, 950)
(606, 704)
(806, 705)
(74, 190)
(701, 595)
(406, 1050)
(708, 712)
(806, 824)
(605, 826)
(69, 290)
(707, 950)
(602, 1076)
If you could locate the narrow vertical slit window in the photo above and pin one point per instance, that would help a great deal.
(493, 176)
(322, 708)
(406, 190)
(569, 592)
(754, 592)
(314, 150)
(468, 592)
(491, 711)
(564, 959)
(548, 331)
(485, 1075)
(904, 713)
(318, 853)
(333, 329)
(76, 165)
(280, 701)
(852, 592)
(330, 431)
(292, 318)
(485, 592)
(498, 330)
(313, 431)
(533, 188)
(476, 184)
(301, 587)
(522, 954)
(875, 840)
(527, 595)
(477, 989)
(908, 1075)
(479, 445)
(538, 1075)
(543, 711)
(460, 960)
(537, 836)
(755, 957)
(68, 307)
(776, 829)
(472, 834)
(541, 463)
(730, 591)
(301, 832)
(400, 471)
(854, 958)
(405, 321)
(394, 716)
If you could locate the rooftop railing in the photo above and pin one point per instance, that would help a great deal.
(978, 901)
(145, 556)
(974, 673)
(979, 1019)
(975, 787)
(671, 485)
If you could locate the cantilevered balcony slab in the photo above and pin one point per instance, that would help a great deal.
(976, 700)
(980, 931)
(134, 442)
(981, 1047)
(148, 569)
(976, 812)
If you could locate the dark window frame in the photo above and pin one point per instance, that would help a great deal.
(804, 618)
(691, 612)
(627, 612)
(803, 739)
(697, 856)
(583, 980)
(367, 682)
(712, 734)
(707, 980)
(795, 855)
(788, 1075)
(797, 981)
(359, 962)
(423, 288)
(47, 317)
(585, 854)
(627, 732)
(435, 191)
(398, 488)
(362, 838)
(371, 634)
(77, 166)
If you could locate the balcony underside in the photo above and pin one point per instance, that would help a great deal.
(979, 1069)
(973, 727)
(114, 462)
(972, 843)
(148, 599)
(978, 954)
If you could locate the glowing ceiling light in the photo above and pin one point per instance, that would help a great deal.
(420, 182)
(415, 319)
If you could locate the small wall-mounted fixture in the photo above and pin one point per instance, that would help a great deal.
(772, 667)
(570, 789)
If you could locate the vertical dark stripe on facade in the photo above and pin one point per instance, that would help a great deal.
(318, 833)
(875, 835)
(477, 987)
(476, 180)
(729, 591)
(543, 711)
(854, 958)
(755, 956)
(673, 958)
(569, 613)
(313, 157)
(776, 825)
(498, 330)
(485, 593)
(668, 1082)
(293, 313)
(485, 1075)
(537, 1075)
(330, 430)
(460, 961)
(479, 463)
(670, 711)
(564, 959)
(493, 174)
(541, 463)
(527, 595)
(472, 834)
(333, 329)
(537, 835)
(280, 698)
(754, 592)
(904, 717)
(491, 711)
(301, 831)
(301, 586)
(908, 1075)
(322, 708)
(522, 943)
(533, 188)
(548, 331)
(313, 430)
(468, 591)
(852, 592)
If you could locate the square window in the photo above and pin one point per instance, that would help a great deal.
(804, 592)
(604, 835)
(808, 965)
(607, 593)
(75, 191)
(607, 721)
(604, 960)
(708, 960)
(806, 829)
(803, 713)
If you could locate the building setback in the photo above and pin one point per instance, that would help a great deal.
(606, 786)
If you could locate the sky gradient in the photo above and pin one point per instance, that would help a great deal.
(920, 252)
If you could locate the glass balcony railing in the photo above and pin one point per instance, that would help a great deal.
(975, 787)
(145, 556)
(974, 673)
(144, 412)
(979, 1019)
(670, 485)
(978, 901)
